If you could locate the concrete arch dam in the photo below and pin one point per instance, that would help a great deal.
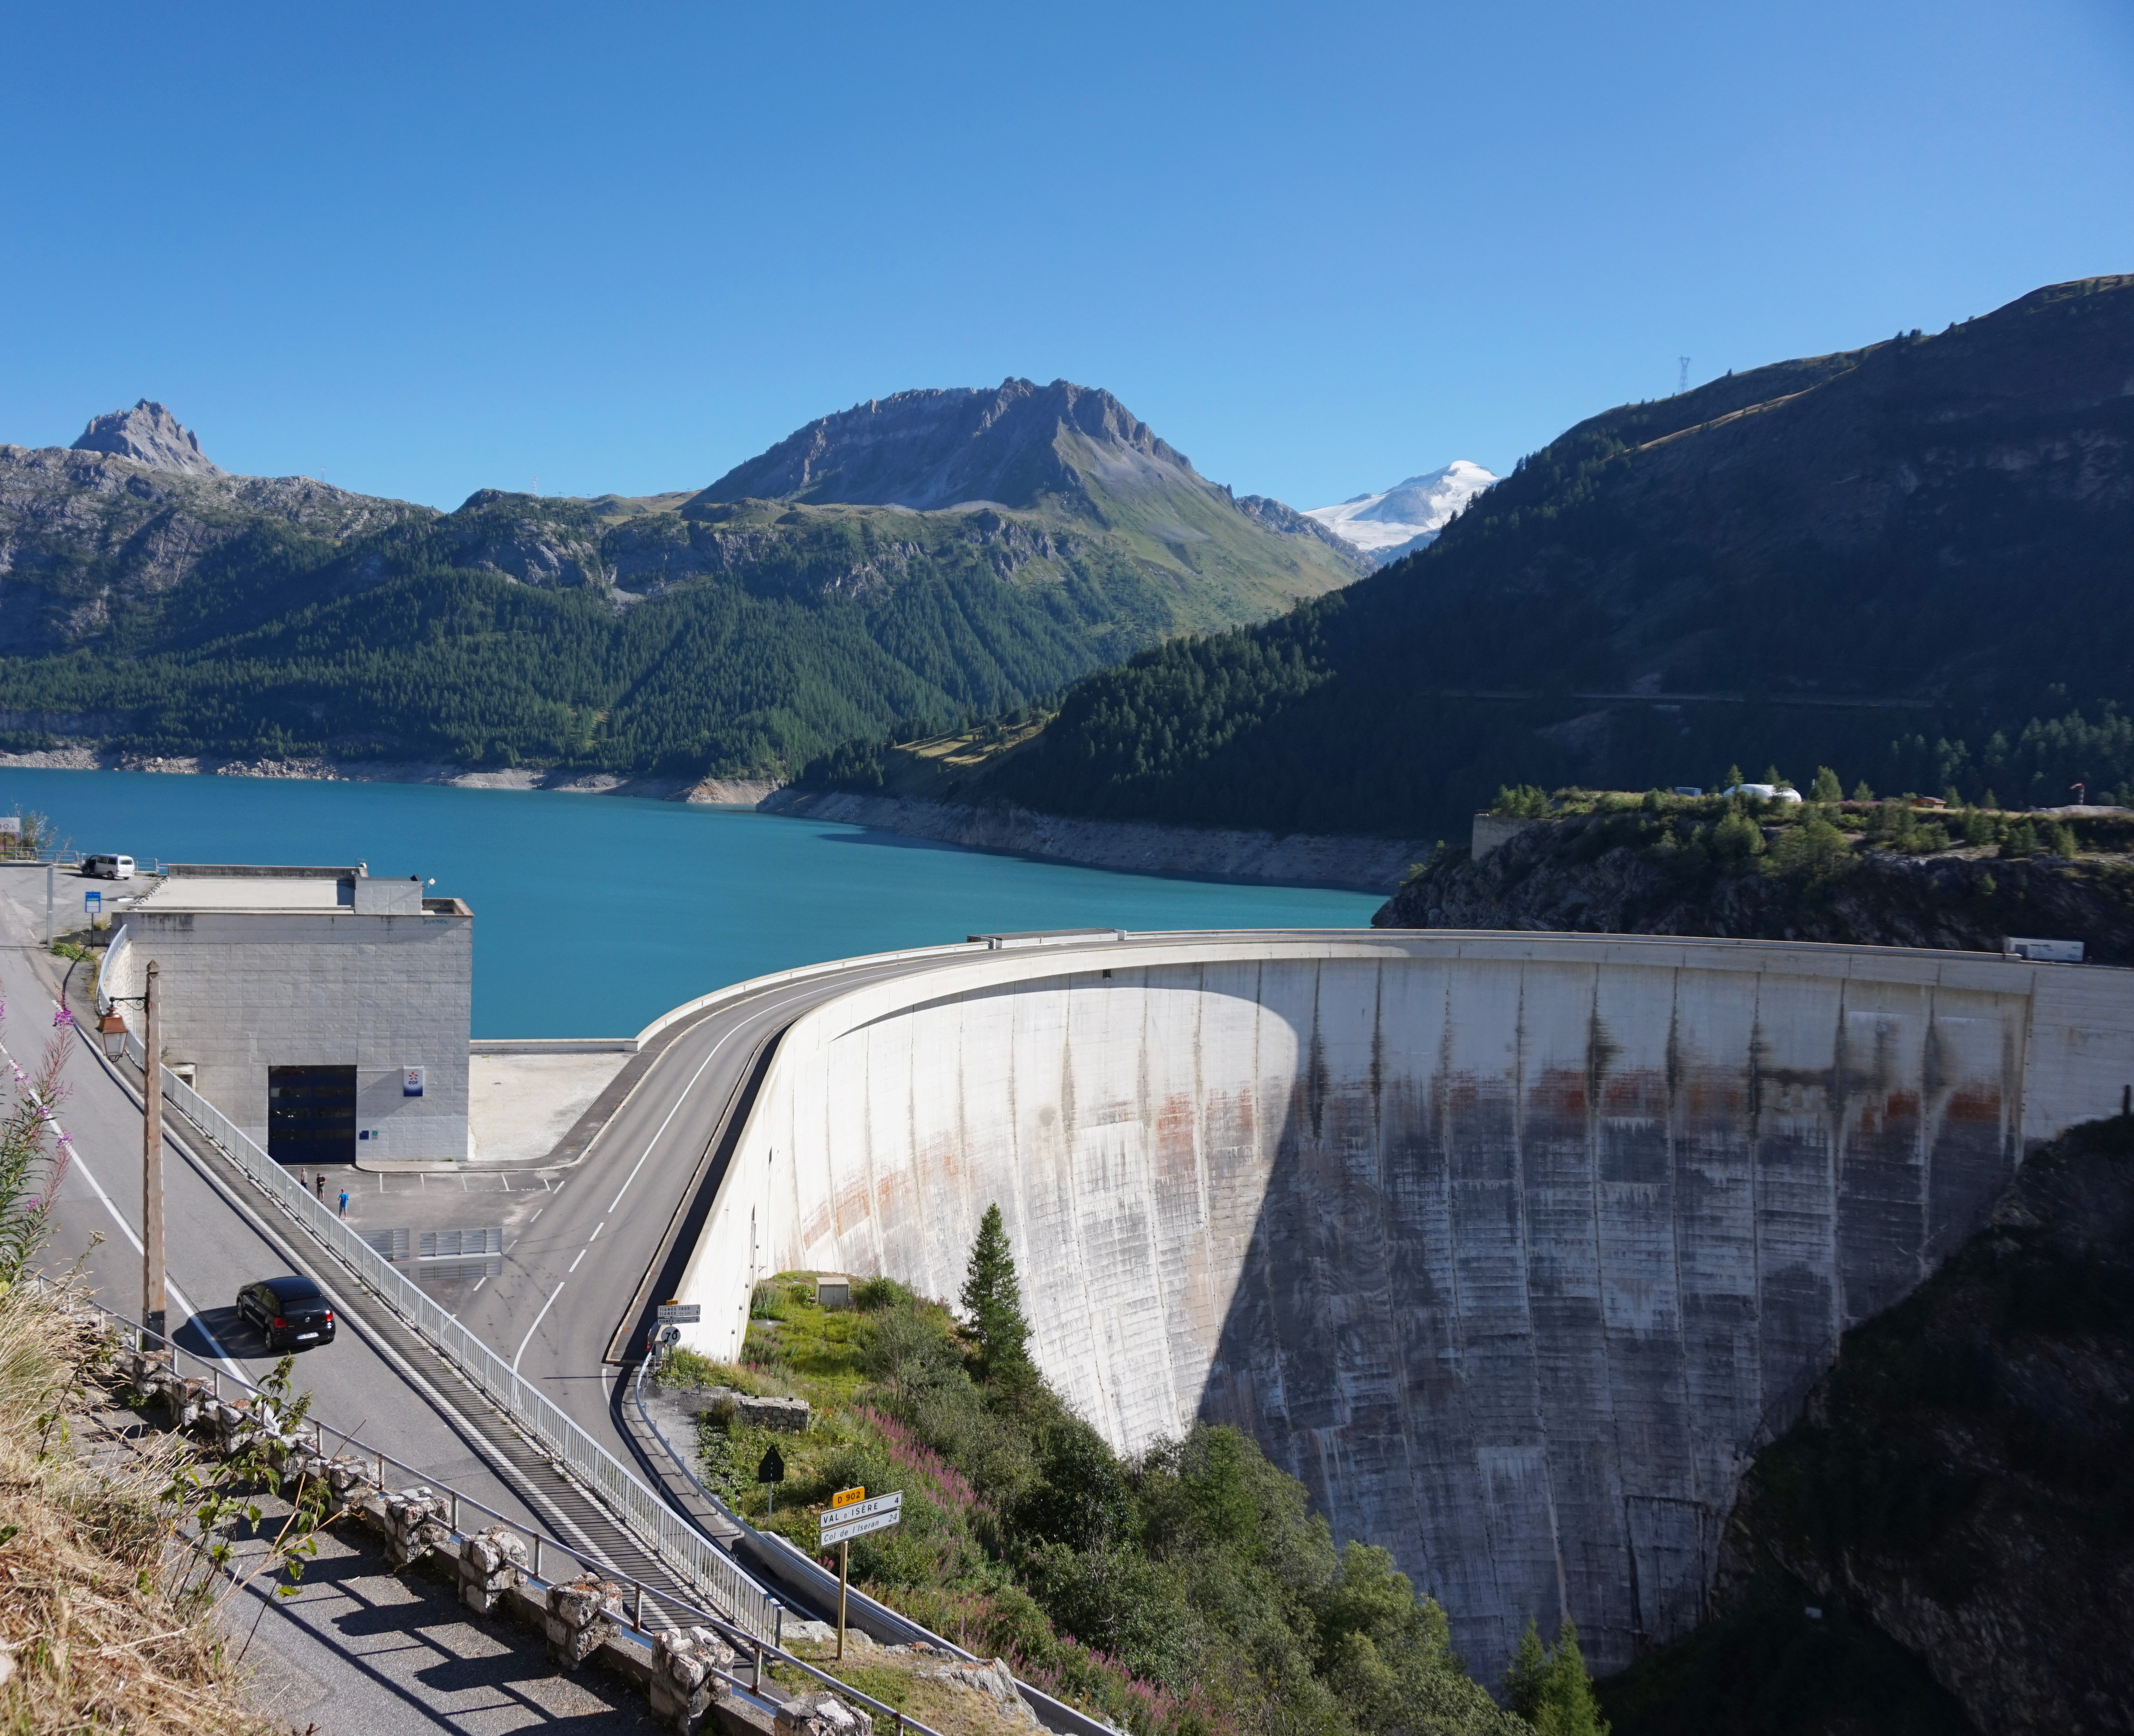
(1513, 1248)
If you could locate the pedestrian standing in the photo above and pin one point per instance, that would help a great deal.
(343, 1202)
(322, 1186)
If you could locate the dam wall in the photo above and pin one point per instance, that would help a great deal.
(1512, 1247)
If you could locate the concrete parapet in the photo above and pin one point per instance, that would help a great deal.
(1514, 1248)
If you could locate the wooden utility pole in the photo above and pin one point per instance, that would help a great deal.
(152, 1173)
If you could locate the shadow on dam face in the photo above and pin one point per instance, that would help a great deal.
(1513, 1260)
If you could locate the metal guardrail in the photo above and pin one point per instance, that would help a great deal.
(712, 1573)
(644, 1597)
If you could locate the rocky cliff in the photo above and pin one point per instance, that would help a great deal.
(1633, 873)
(1962, 1485)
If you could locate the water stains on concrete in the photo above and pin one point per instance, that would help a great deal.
(1513, 1248)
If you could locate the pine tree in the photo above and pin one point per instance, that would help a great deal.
(1826, 787)
(992, 1299)
(1568, 1707)
(1550, 1688)
(1861, 793)
(1527, 1673)
(1733, 778)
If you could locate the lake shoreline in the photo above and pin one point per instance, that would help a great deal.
(1351, 864)
(318, 768)
(1337, 862)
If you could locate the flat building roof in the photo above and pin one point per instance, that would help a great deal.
(271, 888)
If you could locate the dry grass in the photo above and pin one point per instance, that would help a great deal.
(91, 1634)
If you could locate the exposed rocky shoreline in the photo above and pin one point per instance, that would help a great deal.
(722, 792)
(1365, 864)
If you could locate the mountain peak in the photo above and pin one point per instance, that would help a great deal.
(1408, 515)
(1010, 444)
(150, 435)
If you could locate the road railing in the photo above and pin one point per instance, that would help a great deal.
(711, 1572)
(650, 1610)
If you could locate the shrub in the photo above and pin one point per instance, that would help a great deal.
(1737, 837)
(1811, 853)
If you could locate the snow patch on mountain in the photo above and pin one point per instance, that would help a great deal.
(1408, 515)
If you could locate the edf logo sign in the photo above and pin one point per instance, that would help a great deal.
(411, 1081)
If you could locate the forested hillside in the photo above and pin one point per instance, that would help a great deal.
(1910, 561)
(162, 611)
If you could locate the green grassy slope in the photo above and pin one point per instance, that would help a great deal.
(1187, 1592)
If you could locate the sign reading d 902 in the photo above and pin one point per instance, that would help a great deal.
(846, 1497)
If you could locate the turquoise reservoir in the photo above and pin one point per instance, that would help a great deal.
(594, 915)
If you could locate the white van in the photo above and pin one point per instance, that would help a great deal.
(107, 867)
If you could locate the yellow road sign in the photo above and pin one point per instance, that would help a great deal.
(846, 1497)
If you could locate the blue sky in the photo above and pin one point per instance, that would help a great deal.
(423, 249)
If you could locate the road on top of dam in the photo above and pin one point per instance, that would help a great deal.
(591, 1254)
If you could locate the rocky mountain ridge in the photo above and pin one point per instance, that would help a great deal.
(150, 435)
(873, 609)
(1016, 444)
(87, 536)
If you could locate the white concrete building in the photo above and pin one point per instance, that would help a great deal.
(324, 1011)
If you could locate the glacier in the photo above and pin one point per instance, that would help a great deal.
(1408, 515)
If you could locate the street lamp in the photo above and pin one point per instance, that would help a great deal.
(111, 1029)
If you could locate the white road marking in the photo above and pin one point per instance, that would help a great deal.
(573, 1266)
(597, 1228)
(537, 1319)
(77, 1162)
(671, 1114)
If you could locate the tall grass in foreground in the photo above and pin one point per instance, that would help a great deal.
(110, 1561)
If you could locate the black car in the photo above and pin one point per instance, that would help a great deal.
(290, 1313)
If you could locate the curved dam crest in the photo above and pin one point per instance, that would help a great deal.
(1513, 1248)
